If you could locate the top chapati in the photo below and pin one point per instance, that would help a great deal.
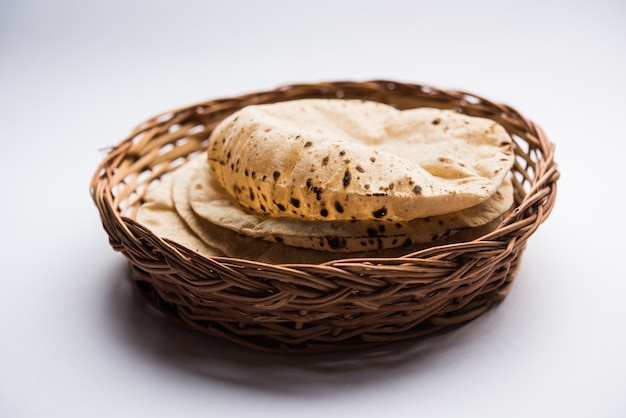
(324, 159)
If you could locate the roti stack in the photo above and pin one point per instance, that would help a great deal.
(308, 181)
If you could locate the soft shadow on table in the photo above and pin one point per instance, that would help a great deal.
(171, 345)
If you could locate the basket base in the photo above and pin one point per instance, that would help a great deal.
(292, 338)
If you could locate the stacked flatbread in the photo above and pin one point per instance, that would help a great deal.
(307, 181)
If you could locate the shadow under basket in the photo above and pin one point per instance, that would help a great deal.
(342, 304)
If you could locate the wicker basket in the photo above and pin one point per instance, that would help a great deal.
(344, 304)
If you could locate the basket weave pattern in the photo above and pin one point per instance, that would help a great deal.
(344, 304)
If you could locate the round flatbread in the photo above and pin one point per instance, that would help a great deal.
(321, 159)
(179, 223)
(209, 201)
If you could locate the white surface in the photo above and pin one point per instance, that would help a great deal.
(77, 76)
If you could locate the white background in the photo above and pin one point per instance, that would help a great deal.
(77, 76)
